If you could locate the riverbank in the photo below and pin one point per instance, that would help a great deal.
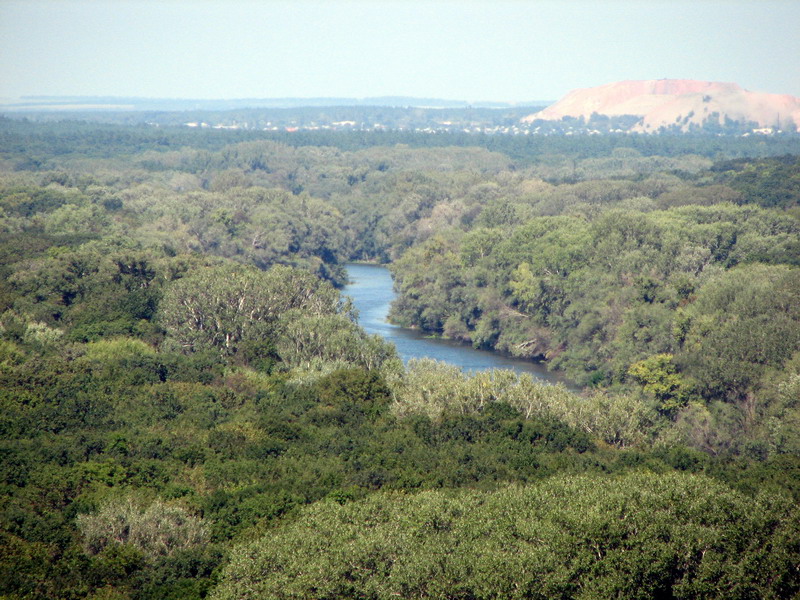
(371, 289)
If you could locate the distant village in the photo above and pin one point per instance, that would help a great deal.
(566, 126)
(437, 127)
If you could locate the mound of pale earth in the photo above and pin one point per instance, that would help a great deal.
(677, 102)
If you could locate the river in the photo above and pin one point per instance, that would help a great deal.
(372, 293)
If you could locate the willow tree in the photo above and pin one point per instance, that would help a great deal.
(229, 307)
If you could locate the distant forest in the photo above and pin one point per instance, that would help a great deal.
(382, 115)
(190, 409)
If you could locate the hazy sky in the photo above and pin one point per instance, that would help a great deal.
(505, 50)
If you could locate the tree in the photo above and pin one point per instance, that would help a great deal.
(658, 376)
(743, 322)
(310, 340)
(641, 535)
(156, 530)
(225, 307)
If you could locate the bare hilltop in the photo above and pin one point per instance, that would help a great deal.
(678, 105)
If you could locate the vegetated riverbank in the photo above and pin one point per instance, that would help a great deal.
(371, 288)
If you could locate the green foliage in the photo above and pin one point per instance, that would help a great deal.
(308, 341)
(637, 536)
(773, 182)
(169, 394)
(156, 530)
(781, 407)
(593, 297)
(224, 307)
(658, 376)
(743, 321)
(124, 361)
(97, 290)
(435, 389)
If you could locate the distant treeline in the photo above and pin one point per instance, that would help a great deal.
(34, 141)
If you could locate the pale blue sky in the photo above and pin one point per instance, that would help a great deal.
(504, 50)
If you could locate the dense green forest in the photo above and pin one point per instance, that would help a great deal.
(190, 410)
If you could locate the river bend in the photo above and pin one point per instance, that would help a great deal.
(372, 293)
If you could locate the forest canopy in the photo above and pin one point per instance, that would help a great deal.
(190, 409)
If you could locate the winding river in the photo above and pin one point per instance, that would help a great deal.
(372, 293)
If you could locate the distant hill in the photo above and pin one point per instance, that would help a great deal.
(678, 105)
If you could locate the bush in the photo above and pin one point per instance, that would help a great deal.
(156, 530)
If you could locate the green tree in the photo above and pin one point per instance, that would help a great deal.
(744, 321)
(224, 307)
(158, 529)
(636, 536)
(659, 377)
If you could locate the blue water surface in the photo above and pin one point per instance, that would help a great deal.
(372, 293)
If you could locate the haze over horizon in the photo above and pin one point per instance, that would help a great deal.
(505, 51)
